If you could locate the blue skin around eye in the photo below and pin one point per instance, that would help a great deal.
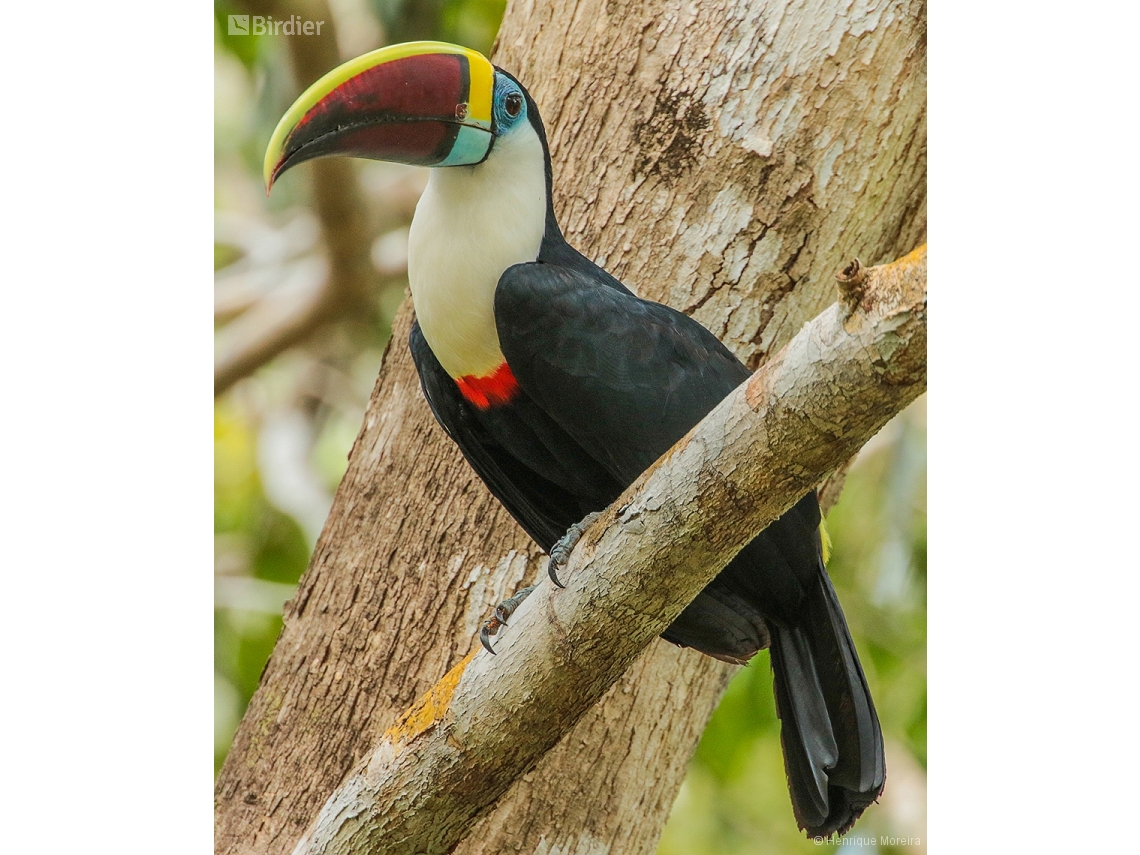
(472, 144)
(503, 121)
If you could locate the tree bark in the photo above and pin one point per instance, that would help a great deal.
(726, 159)
(810, 408)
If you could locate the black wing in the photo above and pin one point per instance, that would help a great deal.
(625, 377)
(542, 508)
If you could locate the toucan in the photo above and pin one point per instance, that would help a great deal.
(560, 386)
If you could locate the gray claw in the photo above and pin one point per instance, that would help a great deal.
(550, 571)
(502, 611)
(485, 638)
(560, 553)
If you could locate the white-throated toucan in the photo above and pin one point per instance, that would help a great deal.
(560, 386)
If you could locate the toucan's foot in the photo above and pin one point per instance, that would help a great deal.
(560, 554)
(502, 611)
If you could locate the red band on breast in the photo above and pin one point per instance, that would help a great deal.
(491, 390)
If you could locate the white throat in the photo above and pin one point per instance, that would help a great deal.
(471, 224)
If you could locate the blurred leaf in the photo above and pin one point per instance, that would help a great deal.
(242, 644)
(473, 22)
(225, 255)
(235, 472)
(246, 48)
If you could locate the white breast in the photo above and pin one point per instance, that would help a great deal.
(471, 224)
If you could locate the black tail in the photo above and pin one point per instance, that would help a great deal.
(833, 747)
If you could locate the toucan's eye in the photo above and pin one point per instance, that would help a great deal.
(513, 104)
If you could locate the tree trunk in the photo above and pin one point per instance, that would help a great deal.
(808, 409)
(726, 159)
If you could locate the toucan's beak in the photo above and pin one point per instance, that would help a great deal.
(426, 103)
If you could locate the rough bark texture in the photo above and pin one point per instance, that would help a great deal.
(807, 410)
(727, 159)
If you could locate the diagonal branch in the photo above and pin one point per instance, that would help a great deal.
(842, 377)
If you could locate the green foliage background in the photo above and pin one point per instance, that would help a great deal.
(734, 800)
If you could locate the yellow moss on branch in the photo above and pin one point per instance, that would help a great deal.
(429, 709)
